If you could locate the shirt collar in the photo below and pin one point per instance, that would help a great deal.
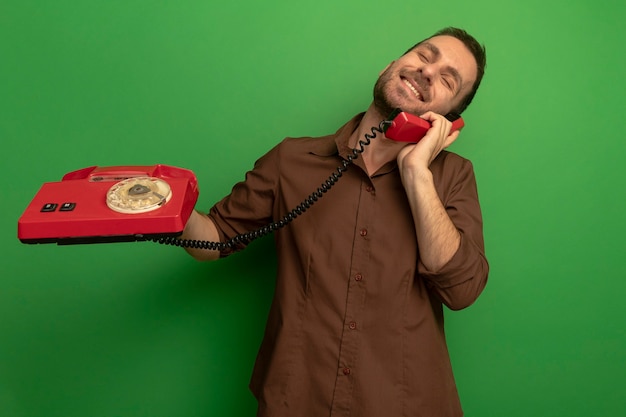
(337, 143)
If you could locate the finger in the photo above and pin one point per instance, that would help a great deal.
(430, 116)
(452, 137)
(436, 119)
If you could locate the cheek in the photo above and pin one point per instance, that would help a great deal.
(448, 99)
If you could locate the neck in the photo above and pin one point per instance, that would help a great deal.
(381, 150)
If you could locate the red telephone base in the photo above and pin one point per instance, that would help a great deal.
(75, 209)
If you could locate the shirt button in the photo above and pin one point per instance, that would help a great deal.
(346, 371)
(358, 277)
(363, 232)
(369, 189)
(352, 325)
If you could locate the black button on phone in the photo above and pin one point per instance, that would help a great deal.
(67, 207)
(49, 207)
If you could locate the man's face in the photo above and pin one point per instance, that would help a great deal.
(435, 75)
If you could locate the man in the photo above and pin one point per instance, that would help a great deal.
(356, 325)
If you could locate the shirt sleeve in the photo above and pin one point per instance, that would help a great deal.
(249, 206)
(459, 283)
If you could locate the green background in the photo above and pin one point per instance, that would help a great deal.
(138, 329)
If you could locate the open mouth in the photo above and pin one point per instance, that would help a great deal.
(413, 89)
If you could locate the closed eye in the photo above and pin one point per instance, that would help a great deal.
(423, 57)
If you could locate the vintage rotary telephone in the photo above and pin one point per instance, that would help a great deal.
(134, 203)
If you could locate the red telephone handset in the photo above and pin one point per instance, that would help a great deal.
(406, 127)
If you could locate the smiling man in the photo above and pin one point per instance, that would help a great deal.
(356, 325)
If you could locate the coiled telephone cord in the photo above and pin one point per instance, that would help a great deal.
(248, 237)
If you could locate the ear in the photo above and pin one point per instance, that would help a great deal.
(386, 68)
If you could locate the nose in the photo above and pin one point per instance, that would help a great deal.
(428, 73)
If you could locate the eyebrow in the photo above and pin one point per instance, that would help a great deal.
(437, 54)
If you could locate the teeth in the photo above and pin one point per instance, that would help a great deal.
(413, 89)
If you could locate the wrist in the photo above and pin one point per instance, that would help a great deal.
(417, 175)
